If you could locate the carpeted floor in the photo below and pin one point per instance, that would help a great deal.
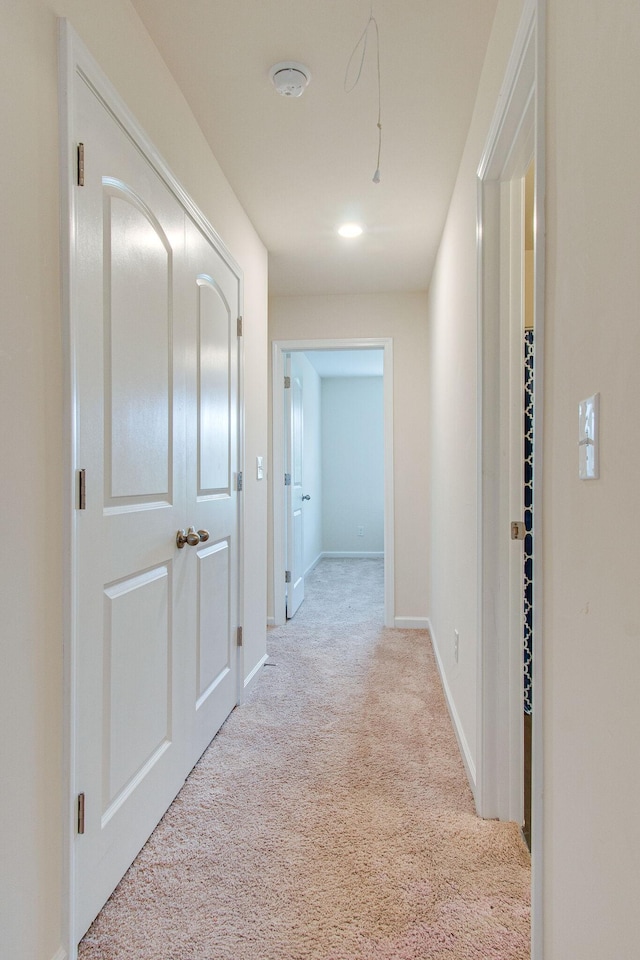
(330, 819)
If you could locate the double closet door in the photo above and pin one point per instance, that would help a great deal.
(155, 542)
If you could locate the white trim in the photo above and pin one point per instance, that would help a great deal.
(509, 130)
(66, 72)
(60, 954)
(312, 566)
(537, 811)
(240, 497)
(271, 621)
(516, 134)
(75, 60)
(411, 623)
(279, 348)
(389, 474)
(463, 743)
(252, 679)
(351, 555)
(278, 512)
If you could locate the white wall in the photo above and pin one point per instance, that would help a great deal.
(589, 558)
(401, 317)
(31, 418)
(311, 456)
(590, 565)
(353, 464)
(452, 376)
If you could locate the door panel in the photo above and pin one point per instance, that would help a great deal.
(156, 430)
(214, 624)
(212, 305)
(137, 682)
(214, 425)
(137, 362)
(129, 761)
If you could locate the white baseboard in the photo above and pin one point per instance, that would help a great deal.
(411, 623)
(467, 757)
(271, 621)
(253, 676)
(351, 555)
(313, 565)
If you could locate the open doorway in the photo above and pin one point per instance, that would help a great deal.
(515, 146)
(334, 462)
(333, 447)
(528, 498)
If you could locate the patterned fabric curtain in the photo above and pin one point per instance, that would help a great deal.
(528, 519)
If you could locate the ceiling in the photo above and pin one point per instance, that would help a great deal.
(301, 166)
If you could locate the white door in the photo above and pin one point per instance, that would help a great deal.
(211, 497)
(156, 437)
(294, 492)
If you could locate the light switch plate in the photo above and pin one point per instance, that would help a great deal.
(259, 468)
(588, 446)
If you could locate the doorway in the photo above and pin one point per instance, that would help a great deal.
(528, 496)
(334, 470)
(284, 502)
(515, 139)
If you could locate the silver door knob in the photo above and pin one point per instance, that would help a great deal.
(204, 535)
(190, 537)
(307, 496)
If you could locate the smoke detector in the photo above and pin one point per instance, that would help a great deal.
(289, 78)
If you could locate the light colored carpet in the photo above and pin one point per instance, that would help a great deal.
(330, 819)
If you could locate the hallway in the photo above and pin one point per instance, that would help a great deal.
(331, 818)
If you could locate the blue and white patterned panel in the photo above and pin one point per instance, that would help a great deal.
(528, 520)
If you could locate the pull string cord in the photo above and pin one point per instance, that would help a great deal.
(362, 42)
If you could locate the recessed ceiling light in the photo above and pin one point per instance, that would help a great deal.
(350, 230)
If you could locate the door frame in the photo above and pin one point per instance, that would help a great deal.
(292, 603)
(278, 558)
(75, 60)
(516, 136)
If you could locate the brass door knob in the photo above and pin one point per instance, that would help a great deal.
(190, 537)
(204, 535)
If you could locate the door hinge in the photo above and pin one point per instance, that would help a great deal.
(80, 170)
(287, 576)
(239, 326)
(82, 489)
(518, 530)
(287, 383)
(239, 636)
(240, 481)
(80, 821)
(287, 479)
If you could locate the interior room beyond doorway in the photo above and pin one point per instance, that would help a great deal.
(332, 413)
(334, 432)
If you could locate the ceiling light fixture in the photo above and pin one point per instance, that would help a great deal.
(289, 78)
(350, 230)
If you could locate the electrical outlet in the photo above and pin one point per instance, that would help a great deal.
(456, 645)
(361, 531)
